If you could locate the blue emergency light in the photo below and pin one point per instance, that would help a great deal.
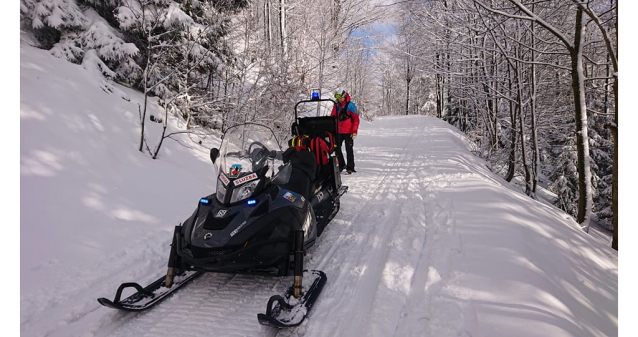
(251, 202)
(204, 201)
(316, 94)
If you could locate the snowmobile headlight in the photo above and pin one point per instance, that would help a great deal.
(244, 191)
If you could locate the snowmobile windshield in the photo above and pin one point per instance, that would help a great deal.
(314, 109)
(250, 154)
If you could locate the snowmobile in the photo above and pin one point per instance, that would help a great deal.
(269, 207)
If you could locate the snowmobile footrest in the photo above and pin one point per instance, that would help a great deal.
(342, 190)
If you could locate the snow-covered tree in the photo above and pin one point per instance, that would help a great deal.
(515, 74)
(50, 18)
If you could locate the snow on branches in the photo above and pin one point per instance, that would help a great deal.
(58, 14)
(104, 40)
(112, 55)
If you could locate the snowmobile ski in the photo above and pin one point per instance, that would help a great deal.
(286, 311)
(152, 294)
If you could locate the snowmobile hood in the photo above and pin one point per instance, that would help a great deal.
(215, 225)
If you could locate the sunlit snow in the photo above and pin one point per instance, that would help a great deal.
(428, 241)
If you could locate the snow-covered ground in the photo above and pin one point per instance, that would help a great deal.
(428, 241)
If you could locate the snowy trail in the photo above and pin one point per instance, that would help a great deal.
(373, 229)
(395, 255)
(428, 241)
(367, 252)
(380, 258)
(431, 243)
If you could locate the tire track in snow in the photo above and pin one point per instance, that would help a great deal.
(427, 311)
(356, 262)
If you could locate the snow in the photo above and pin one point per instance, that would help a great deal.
(57, 13)
(428, 241)
(104, 39)
(175, 17)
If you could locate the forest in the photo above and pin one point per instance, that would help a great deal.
(533, 84)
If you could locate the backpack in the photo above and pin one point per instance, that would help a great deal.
(320, 149)
(330, 141)
(300, 143)
(321, 146)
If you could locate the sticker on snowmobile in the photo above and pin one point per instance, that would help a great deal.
(221, 213)
(290, 197)
(235, 170)
(245, 179)
(233, 233)
(224, 179)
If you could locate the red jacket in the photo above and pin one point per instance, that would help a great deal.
(348, 116)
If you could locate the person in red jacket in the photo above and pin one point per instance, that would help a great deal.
(348, 117)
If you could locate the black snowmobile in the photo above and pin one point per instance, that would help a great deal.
(269, 208)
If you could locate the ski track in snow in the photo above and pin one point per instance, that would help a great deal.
(377, 255)
(356, 259)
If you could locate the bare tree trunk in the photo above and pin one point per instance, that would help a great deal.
(439, 87)
(407, 95)
(164, 126)
(145, 79)
(511, 169)
(614, 192)
(535, 150)
(268, 25)
(282, 29)
(521, 120)
(585, 201)
(614, 242)
(612, 55)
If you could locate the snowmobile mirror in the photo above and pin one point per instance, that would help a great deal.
(214, 153)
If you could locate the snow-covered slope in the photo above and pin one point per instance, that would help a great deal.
(94, 210)
(428, 241)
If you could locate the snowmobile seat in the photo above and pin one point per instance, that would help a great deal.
(303, 173)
